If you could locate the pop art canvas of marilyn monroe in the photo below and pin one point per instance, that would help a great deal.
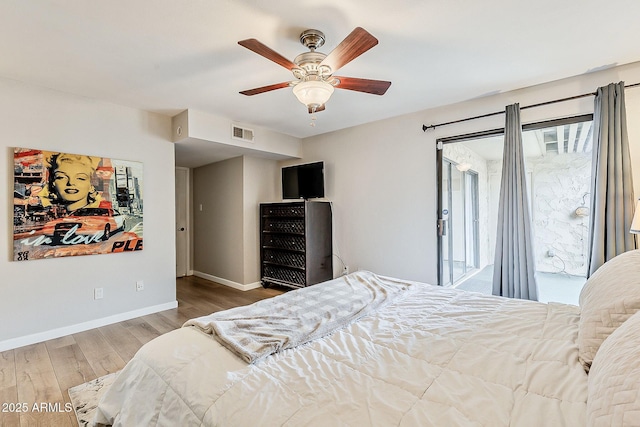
(70, 204)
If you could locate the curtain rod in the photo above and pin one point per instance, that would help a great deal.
(584, 95)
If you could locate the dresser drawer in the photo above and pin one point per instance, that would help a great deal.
(292, 210)
(283, 274)
(282, 225)
(290, 259)
(280, 241)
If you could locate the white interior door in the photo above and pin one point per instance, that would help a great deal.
(182, 215)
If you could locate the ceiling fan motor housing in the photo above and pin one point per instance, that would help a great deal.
(312, 39)
(309, 65)
(309, 62)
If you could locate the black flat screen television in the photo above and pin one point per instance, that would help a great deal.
(303, 181)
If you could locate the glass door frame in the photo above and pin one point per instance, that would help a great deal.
(472, 213)
(466, 210)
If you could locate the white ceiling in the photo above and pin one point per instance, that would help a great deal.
(166, 56)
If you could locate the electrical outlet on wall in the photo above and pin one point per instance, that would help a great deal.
(139, 285)
(345, 270)
(98, 293)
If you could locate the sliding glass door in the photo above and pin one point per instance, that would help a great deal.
(459, 222)
(558, 163)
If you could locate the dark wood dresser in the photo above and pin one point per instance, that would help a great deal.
(295, 243)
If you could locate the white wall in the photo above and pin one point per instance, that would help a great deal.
(226, 230)
(53, 297)
(559, 183)
(260, 182)
(217, 212)
(203, 139)
(382, 176)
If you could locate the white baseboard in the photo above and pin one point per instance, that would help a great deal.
(226, 282)
(12, 343)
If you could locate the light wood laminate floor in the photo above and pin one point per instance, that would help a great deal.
(43, 372)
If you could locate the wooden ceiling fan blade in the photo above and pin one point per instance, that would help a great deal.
(263, 50)
(264, 89)
(375, 87)
(354, 45)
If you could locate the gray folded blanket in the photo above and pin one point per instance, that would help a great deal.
(297, 317)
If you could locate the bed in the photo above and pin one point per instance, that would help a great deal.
(370, 350)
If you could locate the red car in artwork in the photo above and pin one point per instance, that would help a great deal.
(86, 225)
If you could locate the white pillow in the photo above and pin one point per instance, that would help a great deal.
(610, 296)
(614, 379)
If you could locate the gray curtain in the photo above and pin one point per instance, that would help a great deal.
(514, 266)
(612, 196)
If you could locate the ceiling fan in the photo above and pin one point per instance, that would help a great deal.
(313, 71)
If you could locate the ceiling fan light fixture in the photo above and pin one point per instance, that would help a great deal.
(313, 93)
(314, 70)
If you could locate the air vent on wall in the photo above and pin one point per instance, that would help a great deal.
(242, 134)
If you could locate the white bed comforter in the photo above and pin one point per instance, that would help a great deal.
(437, 357)
(297, 317)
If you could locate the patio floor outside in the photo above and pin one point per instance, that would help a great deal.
(552, 287)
